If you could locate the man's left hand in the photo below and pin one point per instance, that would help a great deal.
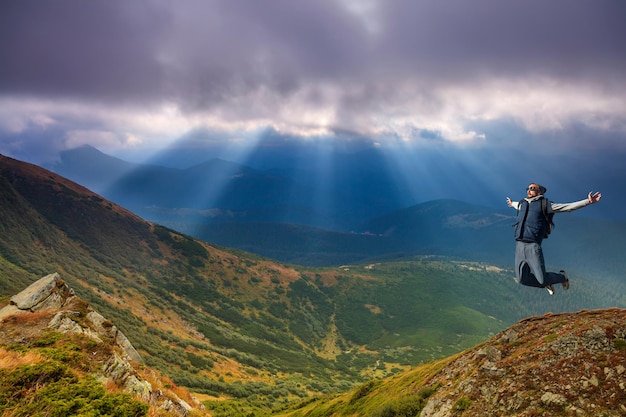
(594, 197)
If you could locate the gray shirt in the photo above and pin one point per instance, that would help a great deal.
(556, 207)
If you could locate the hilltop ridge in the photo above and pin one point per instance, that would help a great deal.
(570, 364)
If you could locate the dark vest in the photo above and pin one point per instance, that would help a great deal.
(531, 224)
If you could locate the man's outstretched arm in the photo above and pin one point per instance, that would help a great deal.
(592, 198)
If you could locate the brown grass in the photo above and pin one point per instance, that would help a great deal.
(11, 360)
(26, 319)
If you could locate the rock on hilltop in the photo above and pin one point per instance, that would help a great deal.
(558, 364)
(50, 305)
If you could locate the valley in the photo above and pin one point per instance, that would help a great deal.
(242, 330)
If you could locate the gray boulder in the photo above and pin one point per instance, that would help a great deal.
(48, 293)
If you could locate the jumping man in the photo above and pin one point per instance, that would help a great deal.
(531, 227)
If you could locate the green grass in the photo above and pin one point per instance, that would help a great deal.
(52, 389)
(62, 383)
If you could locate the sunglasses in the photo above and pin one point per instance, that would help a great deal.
(532, 189)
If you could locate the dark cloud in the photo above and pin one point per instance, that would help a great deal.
(500, 38)
(209, 50)
(80, 49)
(436, 71)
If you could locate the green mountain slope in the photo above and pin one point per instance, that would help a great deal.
(554, 365)
(231, 325)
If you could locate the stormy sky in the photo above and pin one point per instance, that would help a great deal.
(510, 79)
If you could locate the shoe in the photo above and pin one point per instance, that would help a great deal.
(566, 282)
(550, 289)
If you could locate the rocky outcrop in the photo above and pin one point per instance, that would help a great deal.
(71, 315)
(120, 370)
(51, 293)
(558, 364)
(48, 293)
(103, 326)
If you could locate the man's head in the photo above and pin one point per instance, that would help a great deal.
(535, 189)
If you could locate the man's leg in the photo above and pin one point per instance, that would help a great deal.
(523, 271)
(528, 279)
(555, 278)
(534, 257)
(538, 268)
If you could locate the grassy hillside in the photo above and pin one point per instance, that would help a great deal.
(240, 329)
(554, 365)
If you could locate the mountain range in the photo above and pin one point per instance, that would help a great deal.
(271, 214)
(217, 191)
(241, 330)
(330, 188)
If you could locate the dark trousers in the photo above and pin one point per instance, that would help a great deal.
(530, 268)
